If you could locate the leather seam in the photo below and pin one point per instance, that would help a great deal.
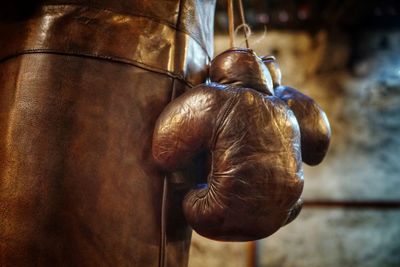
(221, 120)
(232, 101)
(227, 108)
(178, 20)
(100, 57)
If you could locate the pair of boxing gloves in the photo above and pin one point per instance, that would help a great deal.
(255, 134)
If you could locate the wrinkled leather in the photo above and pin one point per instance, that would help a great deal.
(93, 31)
(314, 125)
(81, 86)
(274, 70)
(193, 17)
(242, 68)
(252, 140)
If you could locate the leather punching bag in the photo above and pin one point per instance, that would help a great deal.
(82, 83)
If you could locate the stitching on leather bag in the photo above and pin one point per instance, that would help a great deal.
(99, 57)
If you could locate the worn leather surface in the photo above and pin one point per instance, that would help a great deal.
(94, 31)
(251, 140)
(81, 86)
(314, 125)
(242, 68)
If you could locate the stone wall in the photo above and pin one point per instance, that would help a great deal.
(356, 79)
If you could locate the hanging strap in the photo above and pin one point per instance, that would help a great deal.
(231, 22)
(242, 18)
(163, 233)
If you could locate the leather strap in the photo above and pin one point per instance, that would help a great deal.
(163, 232)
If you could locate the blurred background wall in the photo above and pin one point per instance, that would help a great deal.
(346, 55)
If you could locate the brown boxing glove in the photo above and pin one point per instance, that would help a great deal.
(314, 125)
(253, 142)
